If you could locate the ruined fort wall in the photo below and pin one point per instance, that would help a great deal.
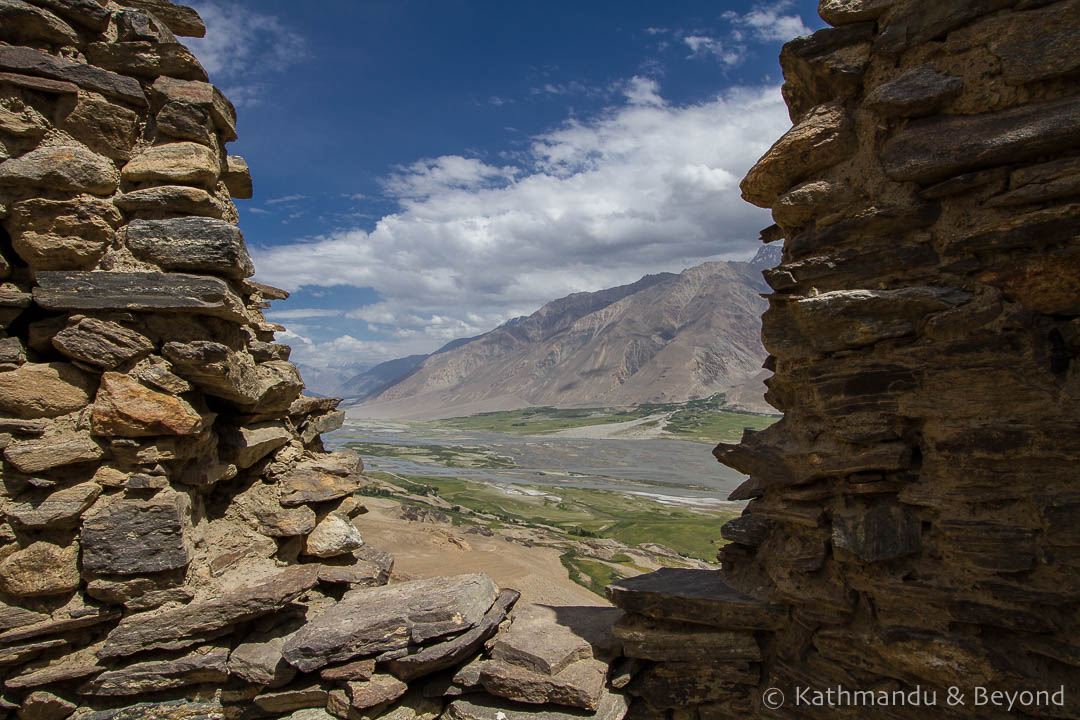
(913, 519)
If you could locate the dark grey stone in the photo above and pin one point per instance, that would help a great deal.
(34, 62)
(103, 343)
(199, 244)
(919, 91)
(882, 533)
(159, 525)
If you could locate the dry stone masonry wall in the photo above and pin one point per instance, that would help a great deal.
(914, 519)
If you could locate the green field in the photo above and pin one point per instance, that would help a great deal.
(453, 456)
(705, 420)
(578, 512)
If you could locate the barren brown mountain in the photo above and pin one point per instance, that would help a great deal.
(665, 338)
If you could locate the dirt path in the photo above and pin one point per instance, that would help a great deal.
(430, 549)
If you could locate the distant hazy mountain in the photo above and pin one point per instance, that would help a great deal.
(665, 338)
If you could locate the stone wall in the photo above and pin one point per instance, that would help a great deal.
(914, 519)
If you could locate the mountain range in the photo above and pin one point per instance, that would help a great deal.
(665, 338)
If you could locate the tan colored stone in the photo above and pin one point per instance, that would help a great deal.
(55, 449)
(379, 689)
(823, 138)
(333, 536)
(105, 127)
(62, 234)
(125, 408)
(103, 343)
(237, 177)
(57, 508)
(62, 167)
(170, 199)
(185, 163)
(21, 22)
(41, 569)
(37, 390)
(43, 705)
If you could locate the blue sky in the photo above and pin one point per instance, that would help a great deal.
(427, 170)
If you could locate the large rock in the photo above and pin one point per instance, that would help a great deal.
(144, 291)
(71, 168)
(44, 390)
(35, 62)
(105, 127)
(186, 121)
(181, 19)
(579, 684)
(547, 639)
(918, 91)
(258, 659)
(43, 705)
(191, 244)
(62, 234)
(146, 59)
(170, 199)
(237, 178)
(87, 13)
(881, 533)
(161, 524)
(103, 343)
(184, 163)
(202, 95)
(206, 665)
(185, 626)
(820, 140)
(334, 535)
(41, 568)
(125, 408)
(62, 507)
(244, 446)
(54, 449)
(450, 653)
(235, 376)
(309, 483)
(21, 21)
(936, 148)
(260, 507)
(379, 689)
(169, 710)
(611, 706)
(695, 596)
(373, 620)
(650, 639)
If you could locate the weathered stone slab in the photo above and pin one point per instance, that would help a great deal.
(21, 22)
(825, 66)
(159, 523)
(1041, 46)
(269, 386)
(306, 484)
(185, 626)
(42, 705)
(611, 706)
(126, 408)
(206, 665)
(49, 87)
(186, 121)
(258, 660)
(579, 684)
(247, 445)
(40, 569)
(371, 620)
(53, 450)
(87, 13)
(651, 639)
(170, 199)
(361, 573)
(180, 19)
(319, 424)
(164, 292)
(843, 319)
(38, 510)
(822, 139)
(933, 149)
(537, 641)
(62, 234)
(55, 627)
(881, 533)
(106, 127)
(184, 163)
(453, 652)
(203, 95)
(146, 59)
(70, 168)
(911, 23)
(918, 91)
(170, 710)
(237, 178)
(988, 546)
(334, 535)
(357, 670)
(379, 689)
(44, 390)
(101, 342)
(191, 244)
(675, 685)
(259, 505)
(847, 12)
(748, 530)
(696, 596)
(294, 698)
(34, 62)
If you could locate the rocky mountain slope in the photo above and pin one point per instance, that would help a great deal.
(665, 338)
